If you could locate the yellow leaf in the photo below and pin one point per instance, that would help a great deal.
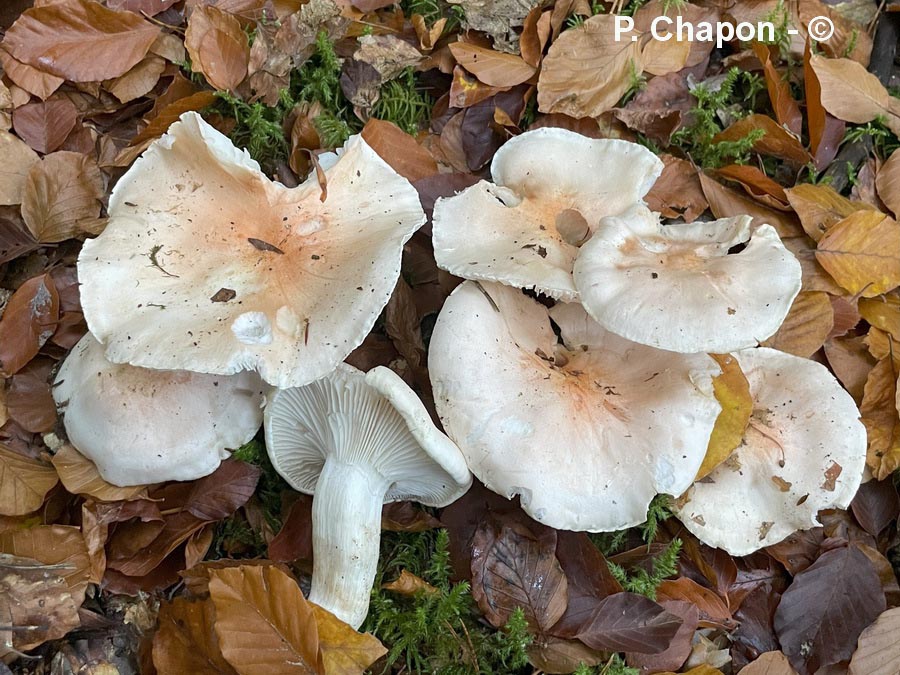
(24, 482)
(879, 414)
(409, 584)
(733, 393)
(263, 622)
(699, 670)
(344, 651)
(806, 325)
(819, 207)
(883, 313)
(862, 253)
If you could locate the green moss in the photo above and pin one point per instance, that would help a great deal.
(643, 582)
(403, 103)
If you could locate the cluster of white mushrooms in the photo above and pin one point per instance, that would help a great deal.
(218, 300)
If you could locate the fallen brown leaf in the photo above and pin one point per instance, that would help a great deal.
(878, 652)
(491, 67)
(725, 202)
(825, 131)
(770, 663)
(59, 545)
(887, 181)
(819, 207)
(409, 584)
(263, 622)
(399, 149)
(24, 482)
(137, 82)
(677, 192)
(27, 323)
(878, 412)
(631, 623)
(32, 80)
(79, 476)
(80, 40)
(45, 125)
(18, 158)
(787, 112)
(883, 312)
(586, 71)
(777, 141)
(342, 650)
(30, 401)
(714, 613)
(852, 94)
(186, 641)
(62, 196)
(862, 253)
(218, 47)
(159, 124)
(849, 39)
(806, 326)
(679, 648)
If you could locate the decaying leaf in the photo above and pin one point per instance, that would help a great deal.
(18, 158)
(24, 482)
(497, 18)
(139, 81)
(888, 183)
(878, 412)
(630, 623)
(79, 476)
(587, 70)
(493, 68)
(218, 47)
(806, 327)
(409, 584)
(819, 207)
(862, 253)
(27, 323)
(677, 192)
(399, 149)
(36, 604)
(342, 650)
(732, 391)
(878, 652)
(263, 622)
(62, 196)
(80, 40)
(827, 606)
(770, 663)
(45, 125)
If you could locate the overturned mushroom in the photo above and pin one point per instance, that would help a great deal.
(207, 265)
(586, 432)
(681, 287)
(550, 189)
(358, 441)
(146, 426)
(804, 450)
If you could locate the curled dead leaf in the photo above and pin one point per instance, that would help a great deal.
(732, 391)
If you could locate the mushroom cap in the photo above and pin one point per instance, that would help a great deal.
(144, 426)
(803, 418)
(586, 432)
(551, 187)
(369, 418)
(207, 265)
(676, 287)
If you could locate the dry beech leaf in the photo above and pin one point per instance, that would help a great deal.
(342, 650)
(851, 362)
(80, 40)
(776, 141)
(628, 622)
(587, 70)
(18, 158)
(62, 192)
(787, 112)
(677, 192)
(186, 642)
(826, 607)
(725, 202)
(825, 131)
(862, 253)
(137, 82)
(496, 69)
(806, 326)
(24, 482)
(852, 94)
(660, 57)
(732, 391)
(878, 652)
(27, 323)
(699, 670)
(882, 312)
(60, 545)
(514, 568)
(263, 622)
(32, 80)
(819, 207)
(714, 613)
(409, 584)
(850, 37)
(45, 125)
(35, 601)
(218, 47)
(770, 663)
(887, 181)
(79, 476)
(159, 124)
(878, 412)
(399, 149)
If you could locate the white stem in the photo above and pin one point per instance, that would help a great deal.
(346, 517)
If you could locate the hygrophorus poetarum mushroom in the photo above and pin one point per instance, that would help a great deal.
(586, 430)
(357, 441)
(684, 287)
(550, 189)
(804, 450)
(207, 265)
(144, 426)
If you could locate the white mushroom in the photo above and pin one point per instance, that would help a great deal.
(207, 265)
(551, 187)
(586, 432)
(358, 441)
(804, 450)
(147, 426)
(677, 287)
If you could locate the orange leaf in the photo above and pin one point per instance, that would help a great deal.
(186, 641)
(342, 650)
(787, 112)
(27, 323)
(399, 149)
(776, 141)
(862, 253)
